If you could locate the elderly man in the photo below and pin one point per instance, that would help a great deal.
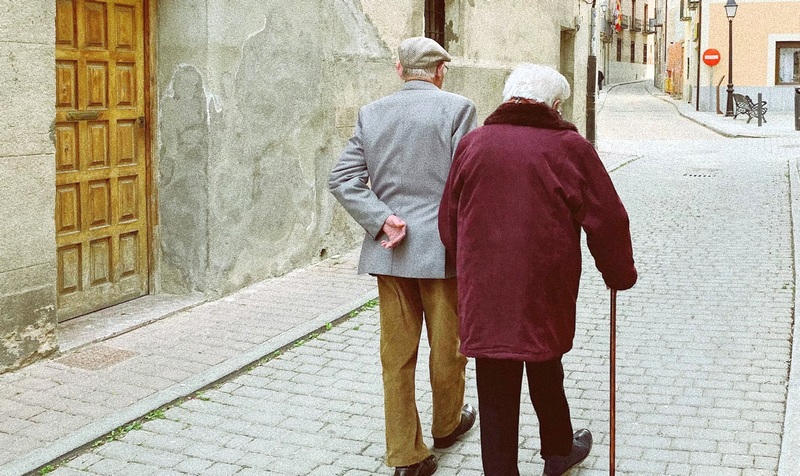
(520, 190)
(390, 178)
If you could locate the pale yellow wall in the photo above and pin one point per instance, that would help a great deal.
(488, 38)
(497, 33)
(485, 28)
(753, 51)
(394, 27)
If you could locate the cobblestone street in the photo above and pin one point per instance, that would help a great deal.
(704, 338)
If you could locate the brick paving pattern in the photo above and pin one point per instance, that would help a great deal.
(56, 405)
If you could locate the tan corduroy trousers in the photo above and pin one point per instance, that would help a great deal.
(404, 304)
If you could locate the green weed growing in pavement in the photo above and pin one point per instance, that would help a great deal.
(201, 396)
(119, 433)
(369, 305)
(157, 414)
(47, 469)
(263, 360)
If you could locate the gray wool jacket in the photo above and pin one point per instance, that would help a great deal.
(397, 162)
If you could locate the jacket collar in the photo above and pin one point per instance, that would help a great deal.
(418, 84)
(529, 114)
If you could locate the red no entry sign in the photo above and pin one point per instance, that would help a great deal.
(711, 57)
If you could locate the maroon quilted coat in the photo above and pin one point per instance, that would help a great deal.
(520, 189)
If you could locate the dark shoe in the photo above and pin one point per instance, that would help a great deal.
(425, 467)
(558, 465)
(468, 415)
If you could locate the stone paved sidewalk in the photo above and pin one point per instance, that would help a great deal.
(52, 407)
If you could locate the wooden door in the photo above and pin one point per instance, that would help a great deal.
(101, 166)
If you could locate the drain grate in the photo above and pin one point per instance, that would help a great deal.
(96, 357)
(701, 173)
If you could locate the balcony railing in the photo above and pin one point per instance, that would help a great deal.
(636, 24)
(626, 21)
(650, 26)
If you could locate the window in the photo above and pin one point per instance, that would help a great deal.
(633, 51)
(619, 49)
(644, 53)
(434, 20)
(787, 62)
(685, 11)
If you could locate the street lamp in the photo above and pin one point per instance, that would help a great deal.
(730, 12)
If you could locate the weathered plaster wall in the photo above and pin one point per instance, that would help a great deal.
(27, 182)
(256, 99)
(248, 132)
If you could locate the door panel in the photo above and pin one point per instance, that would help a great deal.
(101, 175)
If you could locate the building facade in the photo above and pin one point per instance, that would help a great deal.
(183, 146)
(763, 40)
(626, 34)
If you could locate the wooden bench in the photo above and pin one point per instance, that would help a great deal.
(745, 105)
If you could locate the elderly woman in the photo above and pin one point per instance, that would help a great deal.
(520, 190)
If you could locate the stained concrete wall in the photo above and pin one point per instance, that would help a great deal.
(256, 99)
(27, 182)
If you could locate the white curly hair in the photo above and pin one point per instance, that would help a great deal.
(536, 82)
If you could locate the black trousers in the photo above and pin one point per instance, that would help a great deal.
(499, 386)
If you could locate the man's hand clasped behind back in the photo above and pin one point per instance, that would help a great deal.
(395, 230)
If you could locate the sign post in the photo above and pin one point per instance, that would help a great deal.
(711, 58)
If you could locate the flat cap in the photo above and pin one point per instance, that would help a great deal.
(421, 52)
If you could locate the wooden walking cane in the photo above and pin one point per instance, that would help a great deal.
(613, 384)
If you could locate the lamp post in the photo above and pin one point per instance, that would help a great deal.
(730, 12)
(591, 81)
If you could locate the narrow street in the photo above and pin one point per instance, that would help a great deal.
(704, 339)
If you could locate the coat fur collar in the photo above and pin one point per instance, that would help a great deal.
(529, 114)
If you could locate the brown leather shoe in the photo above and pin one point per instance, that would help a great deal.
(559, 465)
(425, 467)
(468, 415)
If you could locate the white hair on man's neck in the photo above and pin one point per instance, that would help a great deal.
(421, 73)
(537, 83)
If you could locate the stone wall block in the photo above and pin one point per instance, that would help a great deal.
(27, 195)
(30, 21)
(27, 327)
(27, 73)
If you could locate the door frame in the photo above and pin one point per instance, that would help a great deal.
(149, 14)
(150, 11)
